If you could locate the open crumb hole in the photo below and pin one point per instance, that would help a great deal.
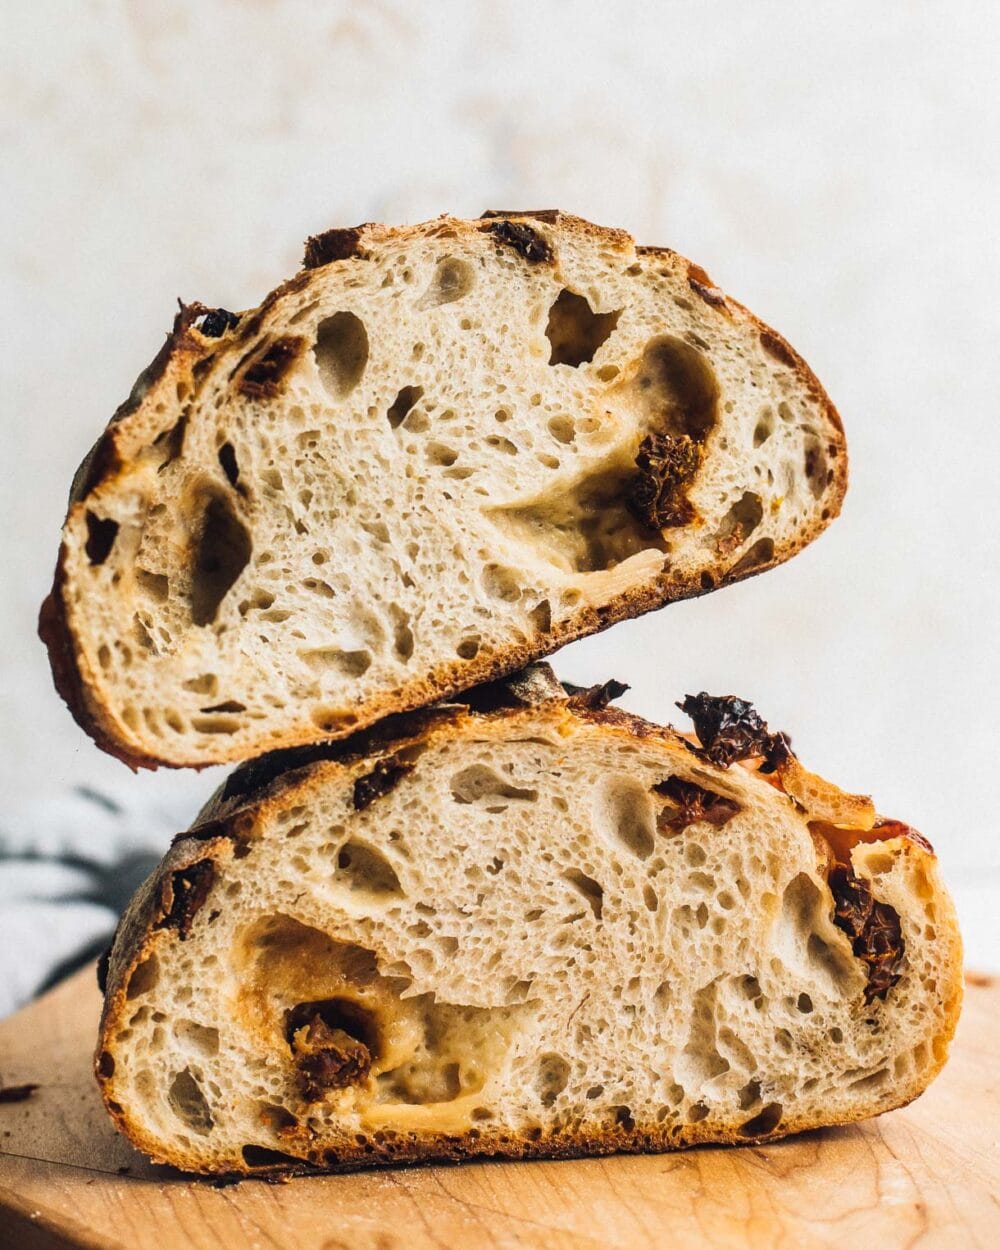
(101, 535)
(188, 1103)
(400, 407)
(453, 278)
(677, 389)
(575, 331)
(362, 868)
(587, 888)
(341, 352)
(220, 549)
(581, 527)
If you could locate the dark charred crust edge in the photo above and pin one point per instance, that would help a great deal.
(104, 961)
(385, 776)
(103, 460)
(100, 463)
(385, 742)
(270, 775)
(529, 244)
(776, 347)
(256, 776)
(262, 375)
(334, 244)
(595, 698)
(54, 633)
(183, 894)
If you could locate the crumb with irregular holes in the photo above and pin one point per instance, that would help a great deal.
(694, 803)
(730, 729)
(17, 1093)
(873, 927)
(384, 777)
(666, 463)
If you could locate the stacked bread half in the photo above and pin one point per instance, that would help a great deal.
(446, 907)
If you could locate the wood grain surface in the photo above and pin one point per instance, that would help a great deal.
(926, 1176)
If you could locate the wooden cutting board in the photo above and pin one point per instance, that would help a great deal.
(927, 1175)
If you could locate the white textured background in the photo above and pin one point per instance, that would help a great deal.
(834, 166)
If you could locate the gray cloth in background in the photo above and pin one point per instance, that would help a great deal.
(68, 866)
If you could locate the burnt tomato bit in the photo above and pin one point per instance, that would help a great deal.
(331, 245)
(887, 828)
(666, 463)
(383, 777)
(694, 804)
(261, 378)
(189, 888)
(873, 927)
(217, 321)
(595, 698)
(328, 1058)
(529, 244)
(729, 729)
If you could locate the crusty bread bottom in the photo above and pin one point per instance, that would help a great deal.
(503, 918)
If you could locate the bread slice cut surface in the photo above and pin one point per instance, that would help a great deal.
(435, 454)
(548, 929)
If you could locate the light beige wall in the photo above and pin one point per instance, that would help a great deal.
(834, 166)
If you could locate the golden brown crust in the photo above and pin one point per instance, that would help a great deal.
(181, 361)
(349, 1156)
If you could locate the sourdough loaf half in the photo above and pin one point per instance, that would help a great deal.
(548, 928)
(437, 453)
